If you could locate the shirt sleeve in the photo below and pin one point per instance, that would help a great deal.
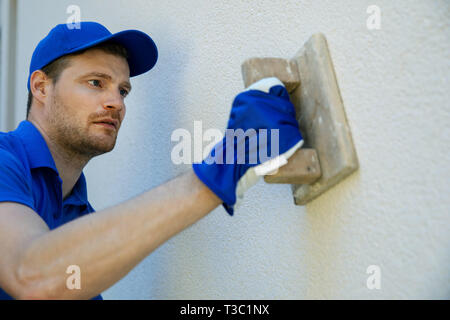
(14, 186)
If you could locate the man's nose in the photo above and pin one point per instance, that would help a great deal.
(114, 101)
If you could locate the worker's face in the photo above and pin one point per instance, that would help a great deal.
(82, 96)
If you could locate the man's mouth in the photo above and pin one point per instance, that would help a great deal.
(108, 123)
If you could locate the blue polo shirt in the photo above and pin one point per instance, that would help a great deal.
(28, 175)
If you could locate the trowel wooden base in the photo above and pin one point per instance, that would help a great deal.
(302, 168)
(311, 82)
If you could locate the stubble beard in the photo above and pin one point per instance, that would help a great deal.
(74, 135)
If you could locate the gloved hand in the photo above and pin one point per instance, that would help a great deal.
(236, 163)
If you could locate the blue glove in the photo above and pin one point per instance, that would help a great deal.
(269, 135)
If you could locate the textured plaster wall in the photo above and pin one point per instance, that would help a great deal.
(393, 213)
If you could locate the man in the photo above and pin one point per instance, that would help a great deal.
(77, 84)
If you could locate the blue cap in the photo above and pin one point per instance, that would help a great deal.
(65, 39)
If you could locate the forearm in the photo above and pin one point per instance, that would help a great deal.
(108, 244)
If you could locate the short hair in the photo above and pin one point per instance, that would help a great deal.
(54, 69)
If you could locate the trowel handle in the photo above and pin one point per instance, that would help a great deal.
(255, 69)
(303, 167)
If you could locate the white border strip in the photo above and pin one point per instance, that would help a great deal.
(8, 29)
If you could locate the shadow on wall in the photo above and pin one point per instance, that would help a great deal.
(323, 247)
(159, 110)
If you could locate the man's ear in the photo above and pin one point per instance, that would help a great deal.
(39, 85)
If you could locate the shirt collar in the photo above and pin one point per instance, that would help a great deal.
(79, 192)
(39, 156)
(37, 150)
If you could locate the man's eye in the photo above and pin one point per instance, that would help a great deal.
(124, 92)
(95, 83)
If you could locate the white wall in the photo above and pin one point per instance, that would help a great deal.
(393, 213)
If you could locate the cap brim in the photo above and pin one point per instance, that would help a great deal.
(142, 51)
